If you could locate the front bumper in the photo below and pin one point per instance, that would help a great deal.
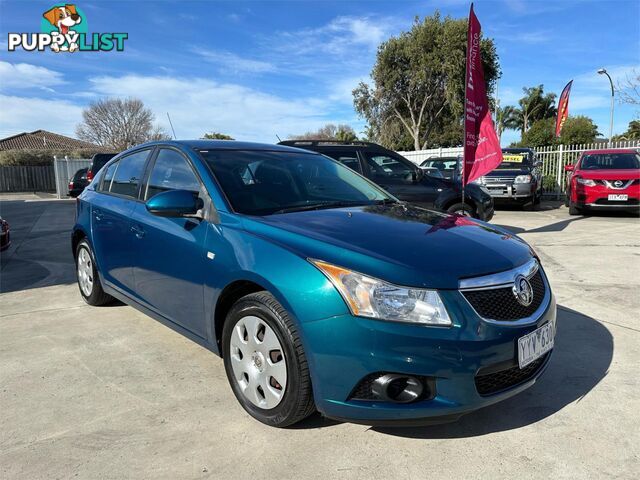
(597, 197)
(511, 191)
(343, 350)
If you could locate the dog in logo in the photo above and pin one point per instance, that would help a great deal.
(63, 18)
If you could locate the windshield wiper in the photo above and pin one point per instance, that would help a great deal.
(318, 206)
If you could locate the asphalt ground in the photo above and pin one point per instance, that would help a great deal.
(111, 393)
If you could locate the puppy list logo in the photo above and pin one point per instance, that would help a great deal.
(64, 29)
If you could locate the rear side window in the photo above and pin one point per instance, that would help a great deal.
(348, 159)
(107, 177)
(171, 171)
(128, 174)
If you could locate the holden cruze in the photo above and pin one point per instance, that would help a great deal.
(320, 290)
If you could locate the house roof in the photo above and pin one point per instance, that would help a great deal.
(41, 139)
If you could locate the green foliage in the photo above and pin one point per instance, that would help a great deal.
(341, 132)
(576, 130)
(580, 129)
(632, 133)
(549, 183)
(216, 136)
(533, 106)
(539, 134)
(43, 157)
(417, 96)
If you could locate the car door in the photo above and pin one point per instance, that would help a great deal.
(399, 177)
(169, 265)
(110, 216)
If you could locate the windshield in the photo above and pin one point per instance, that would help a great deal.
(258, 182)
(610, 161)
(512, 159)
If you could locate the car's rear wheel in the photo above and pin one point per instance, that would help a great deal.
(88, 278)
(463, 209)
(265, 362)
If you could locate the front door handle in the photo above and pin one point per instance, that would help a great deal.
(97, 214)
(138, 231)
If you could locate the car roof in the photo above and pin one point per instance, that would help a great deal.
(224, 145)
(518, 150)
(606, 151)
(331, 144)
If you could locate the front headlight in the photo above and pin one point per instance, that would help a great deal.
(373, 298)
(522, 179)
(587, 182)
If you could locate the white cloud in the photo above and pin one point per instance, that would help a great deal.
(231, 62)
(21, 114)
(25, 75)
(198, 105)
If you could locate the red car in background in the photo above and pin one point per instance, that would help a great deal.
(604, 179)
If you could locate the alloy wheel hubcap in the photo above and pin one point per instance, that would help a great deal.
(85, 272)
(258, 363)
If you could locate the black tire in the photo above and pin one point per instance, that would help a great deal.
(537, 199)
(573, 210)
(567, 199)
(297, 401)
(458, 207)
(97, 297)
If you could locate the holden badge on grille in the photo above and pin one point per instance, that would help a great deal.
(522, 291)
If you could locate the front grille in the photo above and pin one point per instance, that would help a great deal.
(501, 303)
(490, 383)
(489, 180)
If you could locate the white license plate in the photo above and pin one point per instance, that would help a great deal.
(535, 344)
(618, 198)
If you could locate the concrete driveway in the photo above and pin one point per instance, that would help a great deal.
(111, 393)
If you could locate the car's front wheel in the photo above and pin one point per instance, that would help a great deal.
(88, 278)
(463, 209)
(265, 362)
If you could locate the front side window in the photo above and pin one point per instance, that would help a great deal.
(129, 173)
(260, 182)
(610, 161)
(348, 159)
(385, 168)
(105, 185)
(171, 171)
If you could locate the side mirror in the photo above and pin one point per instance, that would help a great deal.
(569, 168)
(174, 203)
(537, 163)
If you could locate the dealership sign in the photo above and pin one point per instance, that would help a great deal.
(64, 29)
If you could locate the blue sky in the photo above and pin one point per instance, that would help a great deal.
(257, 69)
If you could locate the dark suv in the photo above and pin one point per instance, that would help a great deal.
(402, 178)
(518, 179)
(98, 161)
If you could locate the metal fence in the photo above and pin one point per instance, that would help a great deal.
(27, 178)
(553, 157)
(64, 169)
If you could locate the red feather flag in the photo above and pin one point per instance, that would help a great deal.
(563, 108)
(482, 151)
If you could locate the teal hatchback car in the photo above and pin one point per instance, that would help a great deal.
(319, 289)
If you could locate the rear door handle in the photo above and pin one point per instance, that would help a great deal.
(97, 214)
(138, 231)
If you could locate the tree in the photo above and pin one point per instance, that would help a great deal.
(418, 84)
(216, 136)
(541, 132)
(629, 89)
(118, 123)
(578, 129)
(533, 106)
(330, 131)
(505, 119)
(632, 133)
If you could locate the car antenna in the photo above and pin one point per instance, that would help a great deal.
(278, 137)
(174, 132)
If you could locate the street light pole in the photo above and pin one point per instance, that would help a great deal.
(603, 71)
